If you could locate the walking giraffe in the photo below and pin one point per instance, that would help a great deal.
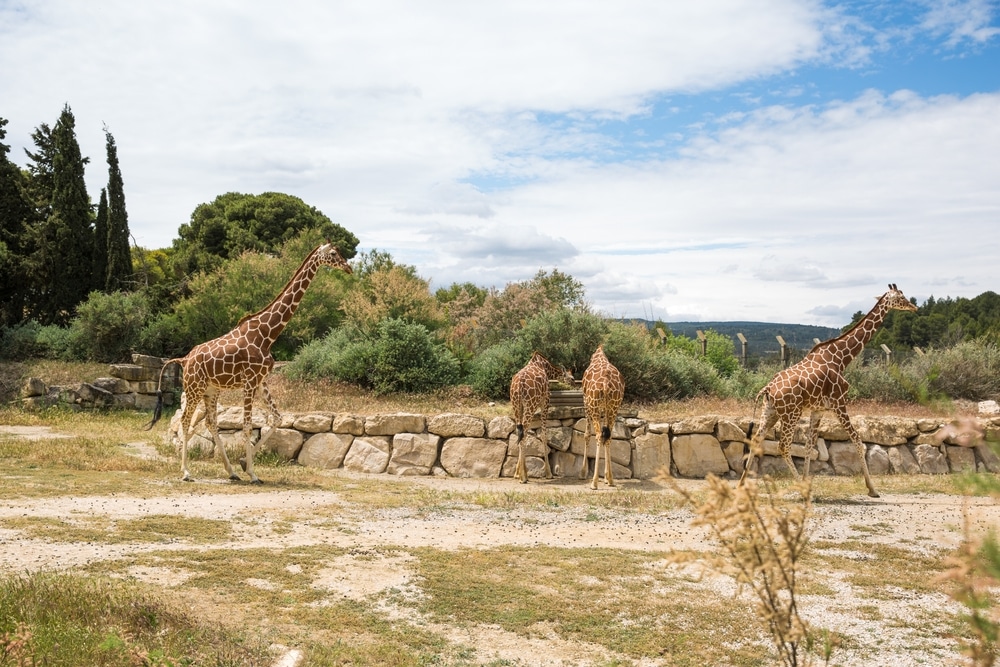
(529, 391)
(603, 393)
(242, 359)
(817, 383)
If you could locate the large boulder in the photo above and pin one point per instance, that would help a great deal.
(325, 450)
(473, 457)
(369, 454)
(698, 454)
(413, 453)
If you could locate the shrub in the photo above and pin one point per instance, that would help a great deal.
(491, 371)
(970, 370)
(107, 327)
(877, 382)
(397, 356)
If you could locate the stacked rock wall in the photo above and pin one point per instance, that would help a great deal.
(129, 386)
(461, 445)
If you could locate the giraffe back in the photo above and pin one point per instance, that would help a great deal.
(529, 388)
(603, 388)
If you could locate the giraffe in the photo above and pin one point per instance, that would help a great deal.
(241, 359)
(603, 392)
(817, 384)
(529, 391)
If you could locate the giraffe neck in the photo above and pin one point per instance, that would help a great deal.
(269, 322)
(842, 350)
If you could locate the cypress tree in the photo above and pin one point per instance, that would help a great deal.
(67, 242)
(101, 241)
(119, 262)
(16, 214)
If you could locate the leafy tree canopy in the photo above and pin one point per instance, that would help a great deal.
(235, 223)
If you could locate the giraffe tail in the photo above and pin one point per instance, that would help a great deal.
(605, 433)
(158, 410)
(520, 432)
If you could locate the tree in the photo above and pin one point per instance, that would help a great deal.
(101, 240)
(16, 214)
(118, 275)
(62, 265)
(235, 223)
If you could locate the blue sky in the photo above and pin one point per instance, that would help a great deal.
(776, 160)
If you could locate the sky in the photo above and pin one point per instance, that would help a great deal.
(767, 160)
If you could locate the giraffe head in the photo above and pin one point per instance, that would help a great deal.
(895, 300)
(551, 370)
(329, 255)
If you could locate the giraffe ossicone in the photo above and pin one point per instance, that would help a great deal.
(603, 392)
(529, 392)
(241, 359)
(817, 384)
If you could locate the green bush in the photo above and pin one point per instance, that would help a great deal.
(397, 356)
(107, 327)
(490, 372)
(876, 382)
(968, 370)
(31, 340)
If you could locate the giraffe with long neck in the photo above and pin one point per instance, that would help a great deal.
(603, 392)
(529, 392)
(817, 383)
(241, 359)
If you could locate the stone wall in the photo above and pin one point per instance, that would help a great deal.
(461, 445)
(129, 386)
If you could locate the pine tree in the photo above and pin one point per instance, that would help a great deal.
(16, 214)
(63, 263)
(100, 274)
(119, 263)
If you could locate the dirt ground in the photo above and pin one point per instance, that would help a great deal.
(919, 522)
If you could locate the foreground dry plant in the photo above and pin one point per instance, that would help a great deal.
(762, 541)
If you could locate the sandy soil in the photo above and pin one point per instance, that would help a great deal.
(916, 522)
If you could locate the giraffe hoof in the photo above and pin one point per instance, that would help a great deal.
(873, 494)
(256, 482)
(187, 478)
(235, 478)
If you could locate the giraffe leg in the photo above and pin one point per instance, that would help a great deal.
(811, 439)
(273, 417)
(545, 436)
(185, 434)
(845, 421)
(249, 391)
(597, 456)
(211, 420)
(788, 424)
(521, 470)
(586, 446)
(769, 418)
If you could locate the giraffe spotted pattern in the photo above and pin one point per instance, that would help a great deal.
(529, 392)
(816, 384)
(603, 393)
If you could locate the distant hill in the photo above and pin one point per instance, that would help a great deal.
(760, 336)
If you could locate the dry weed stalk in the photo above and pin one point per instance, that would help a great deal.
(762, 541)
(974, 570)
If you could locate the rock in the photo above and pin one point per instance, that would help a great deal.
(698, 454)
(285, 442)
(348, 425)
(652, 455)
(695, 424)
(368, 454)
(560, 438)
(400, 422)
(888, 431)
(112, 385)
(901, 461)
(451, 425)
(100, 398)
(728, 430)
(232, 418)
(661, 428)
(878, 460)
(566, 464)
(535, 466)
(989, 457)
(313, 423)
(932, 461)
(33, 387)
(961, 459)
(325, 450)
(500, 427)
(532, 445)
(131, 372)
(734, 452)
(989, 408)
(844, 458)
(413, 453)
(473, 457)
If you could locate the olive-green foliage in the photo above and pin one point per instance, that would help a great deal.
(245, 285)
(396, 356)
(875, 381)
(107, 327)
(490, 372)
(235, 223)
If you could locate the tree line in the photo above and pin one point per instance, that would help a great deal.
(73, 288)
(55, 246)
